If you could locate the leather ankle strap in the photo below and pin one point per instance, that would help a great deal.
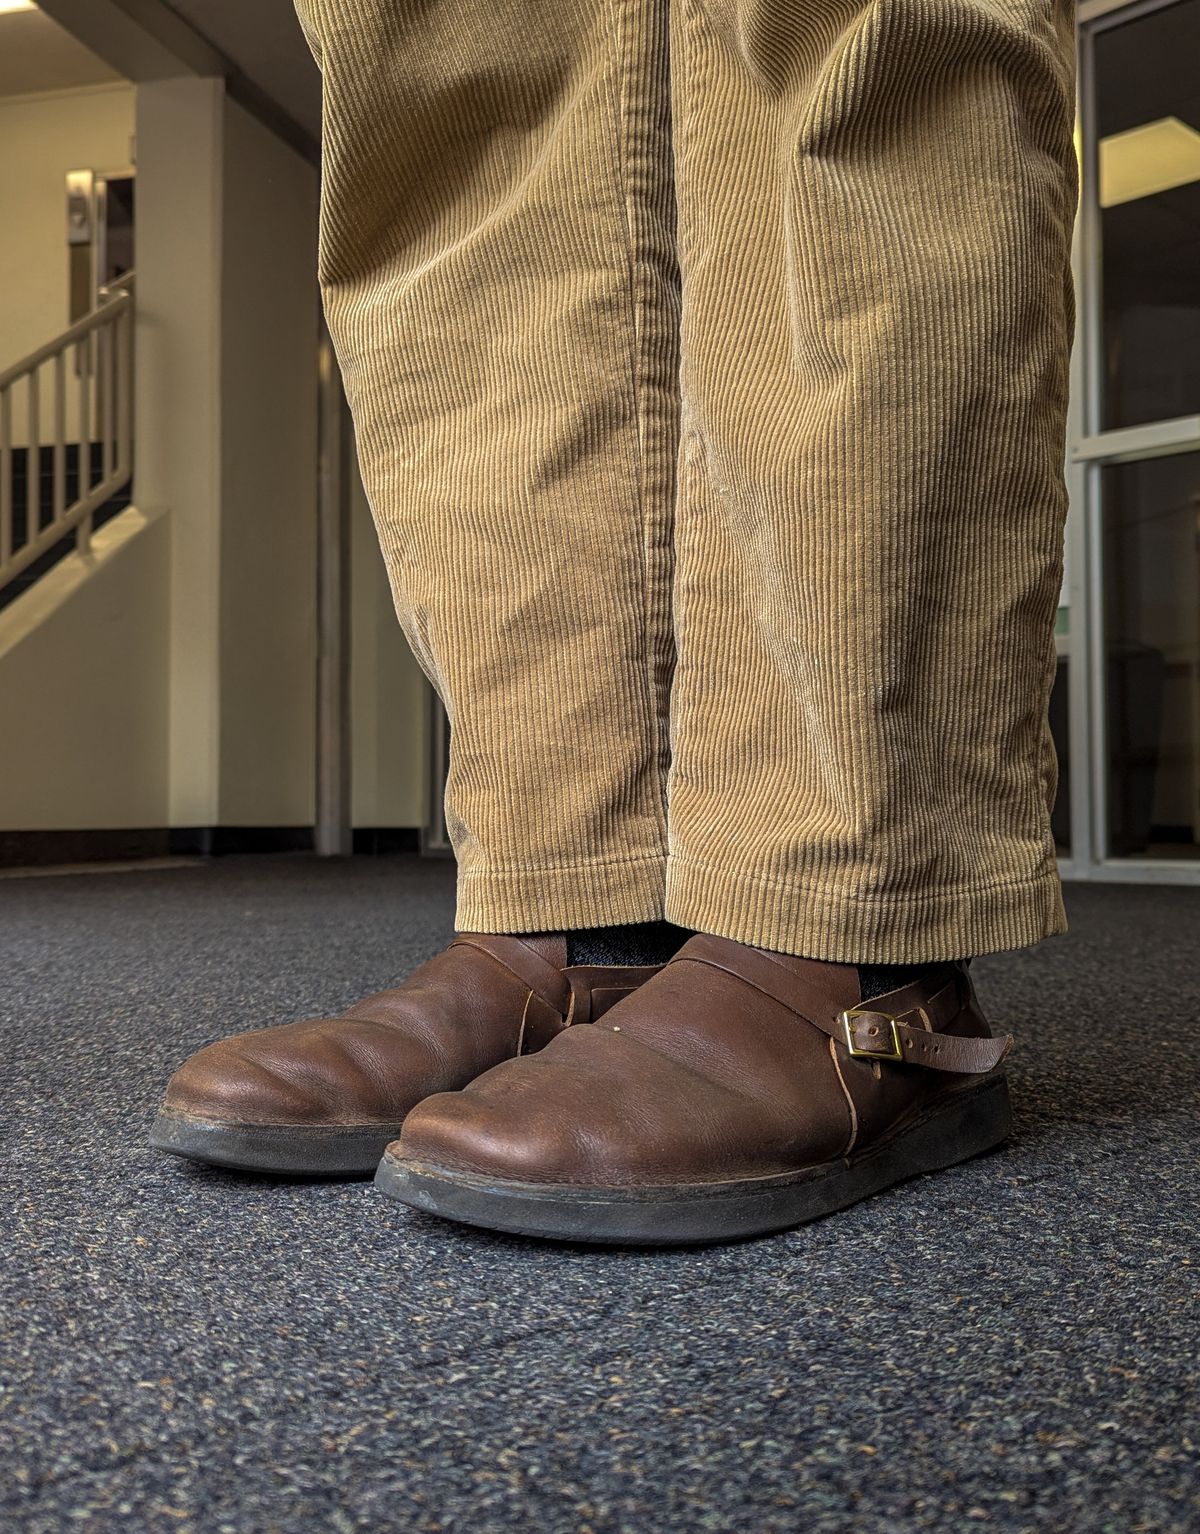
(871, 1030)
(543, 979)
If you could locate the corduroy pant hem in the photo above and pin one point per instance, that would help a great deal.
(938, 924)
(597, 894)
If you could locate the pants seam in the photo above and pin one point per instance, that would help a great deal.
(621, 134)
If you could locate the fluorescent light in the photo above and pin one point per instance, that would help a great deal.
(1153, 158)
(16, 5)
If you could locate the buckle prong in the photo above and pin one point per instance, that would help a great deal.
(894, 1052)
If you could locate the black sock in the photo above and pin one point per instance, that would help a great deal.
(654, 942)
(879, 979)
(643, 942)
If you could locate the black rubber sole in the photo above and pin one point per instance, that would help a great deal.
(966, 1125)
(299, 1149)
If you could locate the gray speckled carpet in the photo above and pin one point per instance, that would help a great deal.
(1008, 1346)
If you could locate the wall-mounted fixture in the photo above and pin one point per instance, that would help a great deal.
(81, 240)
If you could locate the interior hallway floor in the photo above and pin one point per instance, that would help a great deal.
(1008, 1346)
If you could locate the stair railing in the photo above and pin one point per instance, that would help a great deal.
(88, 408)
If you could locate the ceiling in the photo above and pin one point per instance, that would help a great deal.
(264, 42)
(36, 54)
(260, 42)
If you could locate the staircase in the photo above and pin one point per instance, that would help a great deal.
(66, 441)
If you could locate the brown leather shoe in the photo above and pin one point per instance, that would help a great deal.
(737, 1092)
(327, 1096)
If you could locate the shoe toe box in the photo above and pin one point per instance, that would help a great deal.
(478, 1134)
(301, 1073)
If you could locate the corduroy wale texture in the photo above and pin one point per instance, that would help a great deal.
(708, 361)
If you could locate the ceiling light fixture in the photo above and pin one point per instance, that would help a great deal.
(1152, 158)
(16, 5)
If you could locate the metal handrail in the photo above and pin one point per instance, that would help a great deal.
(103, 386)
(73, 333)
(125, 283)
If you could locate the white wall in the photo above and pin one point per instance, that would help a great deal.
(41, 139)
(226, 433)
(268, 383)
(177, 463)
(225, 417)
(227, 322)
(83, 687)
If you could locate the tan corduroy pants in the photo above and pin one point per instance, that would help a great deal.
(708, 362)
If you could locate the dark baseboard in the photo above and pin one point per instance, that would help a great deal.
(219, 841)
(42, 849)
(226, 841)
(383, 841)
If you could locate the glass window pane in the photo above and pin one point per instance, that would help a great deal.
(1151, 513)
(1147, 114)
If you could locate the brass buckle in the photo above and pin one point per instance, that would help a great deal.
(893, 1053)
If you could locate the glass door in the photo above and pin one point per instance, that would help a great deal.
(1132, 605)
